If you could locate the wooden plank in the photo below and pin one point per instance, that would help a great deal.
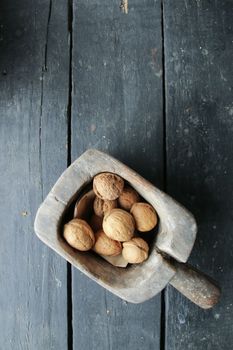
(34, 86)
(198, 55)
(117, 107)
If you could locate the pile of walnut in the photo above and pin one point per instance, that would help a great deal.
(118, 215)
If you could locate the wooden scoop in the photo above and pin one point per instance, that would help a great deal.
(173, 245)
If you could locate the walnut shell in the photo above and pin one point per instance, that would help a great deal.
(79, 235)
(108, 186)
(128, 197)
(135, 251)
(119, 225)
(145, 216)
(96, 223)
(105, 245)
(101, 206)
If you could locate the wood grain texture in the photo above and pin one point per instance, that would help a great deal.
(195, 286)
(33, 99)
(198, 56)
(117, 107)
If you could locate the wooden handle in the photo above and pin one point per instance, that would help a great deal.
(195, 286)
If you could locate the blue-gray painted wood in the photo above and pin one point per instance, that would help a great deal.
(34, 67)
(117, 107)
(199, 71)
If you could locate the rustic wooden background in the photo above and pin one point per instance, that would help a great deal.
(153, 88)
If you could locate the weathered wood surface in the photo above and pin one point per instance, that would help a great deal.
(199, 70)
(117, 107)
(33, 100)
(195, 285)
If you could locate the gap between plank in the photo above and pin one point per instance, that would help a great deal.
(163, 300)
(43, 70)
(162, 321)
(69, 107)
(69, 116)
(69, 308)
(164, 102)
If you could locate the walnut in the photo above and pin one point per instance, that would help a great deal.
(119, 225)
(101, 206)
(145, 216)
(135, 251)
(79, 234)
(127, 198)
(105, 245)
(108, 186)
